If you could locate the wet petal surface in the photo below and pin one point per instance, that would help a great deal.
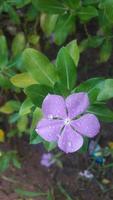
(70, 141)
(87, 125)
(54, 106)
(49, 129)
(77, 104)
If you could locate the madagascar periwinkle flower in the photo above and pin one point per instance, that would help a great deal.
(47, 159)
(66, 121)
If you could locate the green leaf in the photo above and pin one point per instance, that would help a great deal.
(65, 24)
(73, 50)
(3, 51)
(25, 193)
(21, 3)
(26, 107)
(107, 6)
(16, 162)
(107, 90)
(37, 93)
(49, 195)
(87, 13)
(4, 82)
(37, 115)
(102, 112)
(35, 138)
(49, 146)
(47, 23)
(91, 42)
(73, 4)
(10, 106)
(18, 44)
(39, 67)
(4, 162)
(49, 6)
(105, 51)
(66, 69)
(13, 14)
(89, 2)
(22, 123)
(22, 80)
(13, 118)
(84, 148)
(88, 85)
(92, 86)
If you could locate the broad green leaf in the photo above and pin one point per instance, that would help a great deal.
(49, 6)
(87, 13)
(13, 118)
(4, 82)
(106, 91)
(26, 107)
(37, 93)
(102, 112)
(47, 23)
(91, 42)
(13, 14)
(10, 107)
(88, 85)
(66, 69)
(105, 51)
(22, 123)
(61, 90)
(22, 80)
(39, 66)
(65, 25)
(21, 3)
(18, 44)
(92, 86)
(89, 2)
(3, 52)
(107, 6)
(37, 115)
(73, 50)
(73, 4)
(35, 138)
(31, 13)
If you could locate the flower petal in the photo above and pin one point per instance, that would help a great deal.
(70, 141)
(49, 129)
(87, 125)
(77, 104)
(54, 105)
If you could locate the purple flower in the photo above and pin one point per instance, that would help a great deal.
(47, 159)
(65, 123)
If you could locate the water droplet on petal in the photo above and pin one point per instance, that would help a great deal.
(69, 144)
(50, 116)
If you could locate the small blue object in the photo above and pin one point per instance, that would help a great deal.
(97, 154)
